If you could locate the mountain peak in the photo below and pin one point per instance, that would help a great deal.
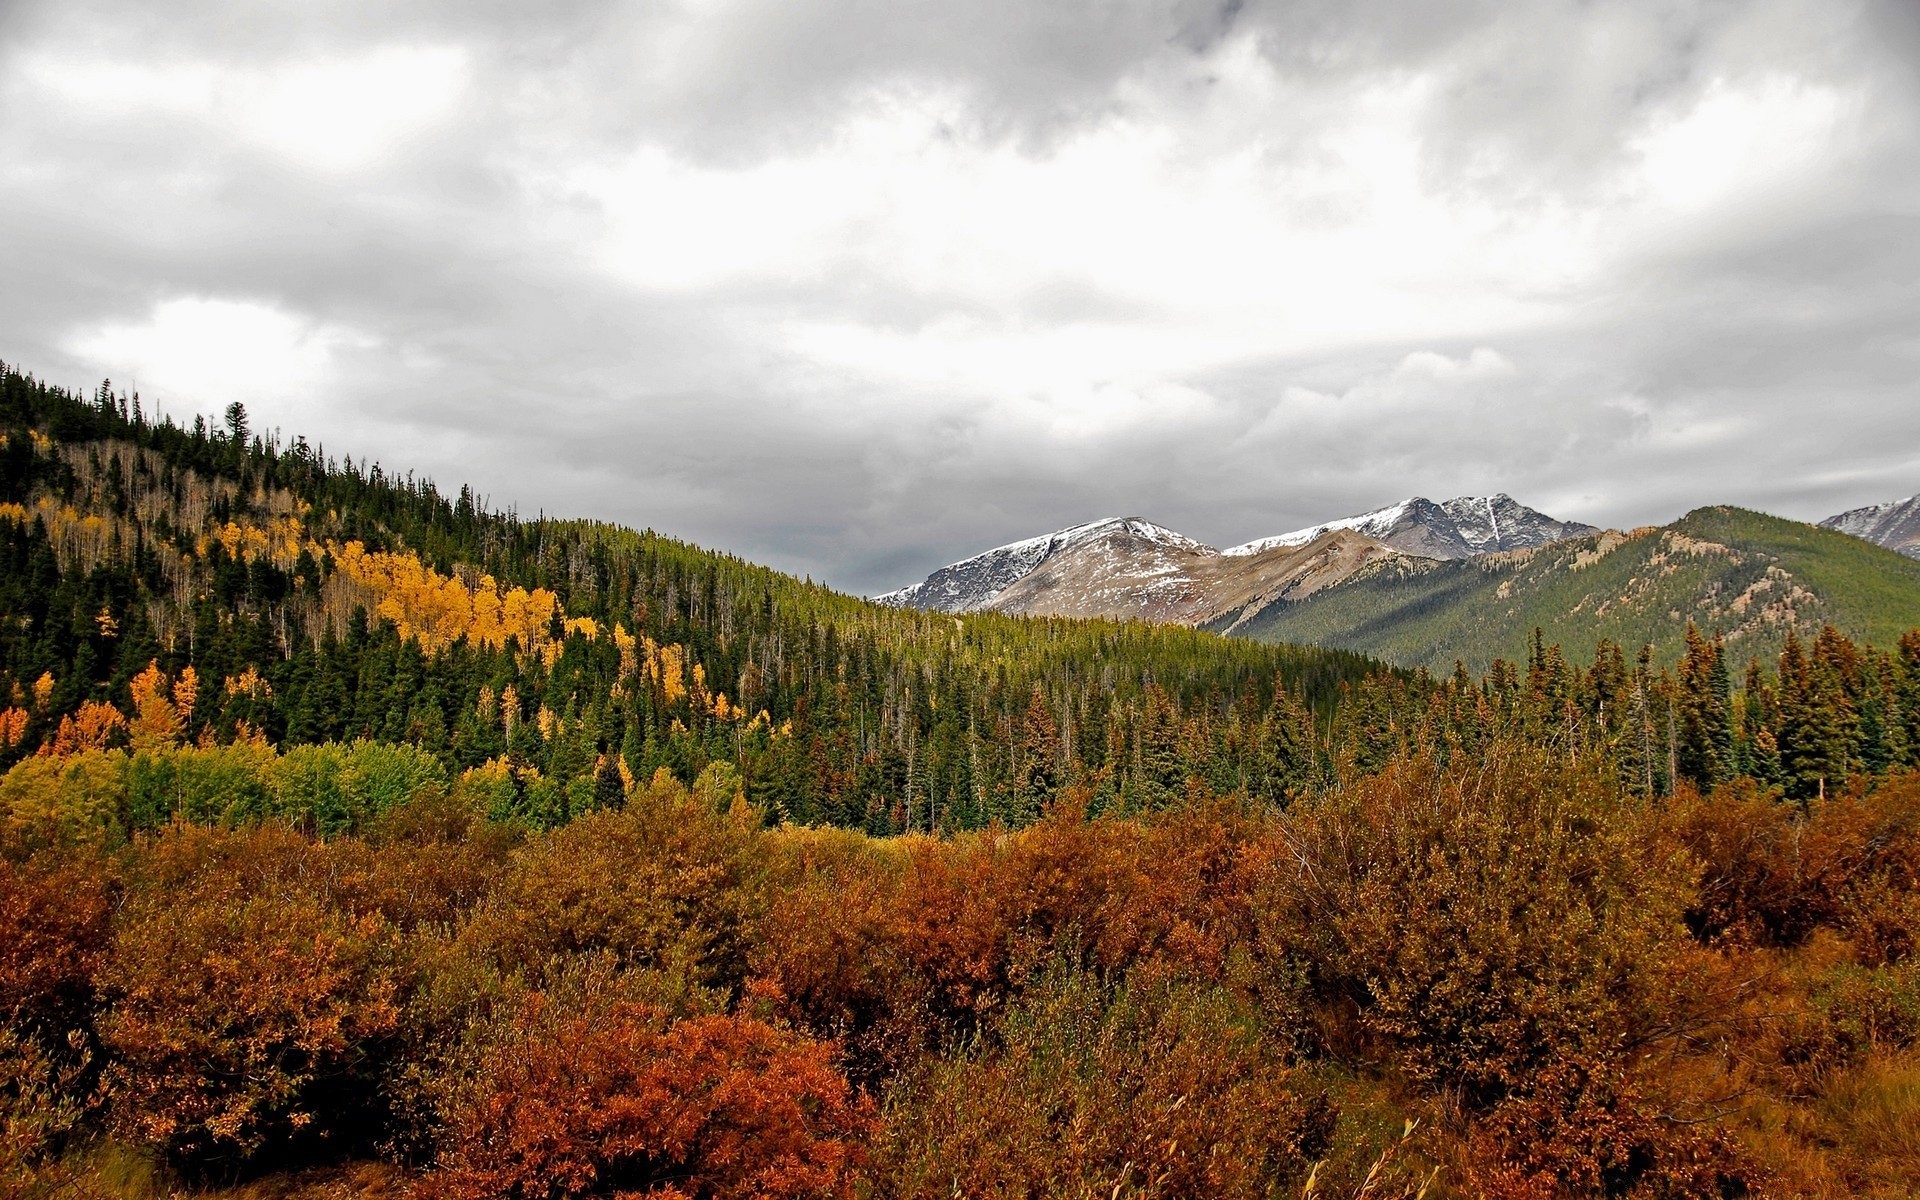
(1895, 524)
(1458, 528)
(973, 583)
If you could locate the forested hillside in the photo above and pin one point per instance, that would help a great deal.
(1746, 577)
(277, 595)
(170, 588)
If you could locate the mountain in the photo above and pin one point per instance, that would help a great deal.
(1895, 525)
(1452, 529)
(1745, 575)
(1122, 575)
(1126, 568)
(971, 584)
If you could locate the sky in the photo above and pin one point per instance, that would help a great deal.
(857, 288)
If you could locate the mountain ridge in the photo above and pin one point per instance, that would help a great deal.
(1746, 576)
(1131, 568)
(1894, 525)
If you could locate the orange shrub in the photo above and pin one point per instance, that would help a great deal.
(251, 1002)
(1582, 1130)
(1771, 874)
(825, 958)
(608, 1098)
(53, 933)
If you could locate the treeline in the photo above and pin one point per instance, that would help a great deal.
(306, 601)
(319, 601)
(1499, 978)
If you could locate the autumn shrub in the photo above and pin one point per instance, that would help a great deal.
(1473, 926)
(1185, 904)
(54, 913)
(824, 956)
(1585, 1128)
(588, 1092)
(1772, 873)
(666, 884)
(253, 998)
(1083, 1090)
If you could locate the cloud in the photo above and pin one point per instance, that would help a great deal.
(856, 289)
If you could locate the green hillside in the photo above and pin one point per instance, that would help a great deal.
(1746, 575)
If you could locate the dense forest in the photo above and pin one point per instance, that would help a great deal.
(355, 840)
(206, 586)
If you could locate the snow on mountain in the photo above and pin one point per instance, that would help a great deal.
(1125, 567)
(1458, 528)
(1895, 525)
(973, 583)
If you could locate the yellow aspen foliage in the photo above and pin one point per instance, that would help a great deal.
(156, 722)
(186, 690)
(249, 683)
(629, 654)
(436, 610)
(93, 727)
(667, 668)
(43, 691)
(509, 709)
(13, 726)
(549, 723)
(245, 734)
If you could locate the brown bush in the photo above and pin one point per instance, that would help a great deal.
(667, 884)
(1154, 1091)
(825, 957)
(53, 935)
(1472, 927)
(251, 1002)
(1770, 873)
(1580, 1129)
(601, 1095)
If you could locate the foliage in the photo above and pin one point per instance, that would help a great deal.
(591, 1093)
(1148, 1090)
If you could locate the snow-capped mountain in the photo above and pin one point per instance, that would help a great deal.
(973, 583)
(1458, 528)
(1895, 525)
(1125, 567)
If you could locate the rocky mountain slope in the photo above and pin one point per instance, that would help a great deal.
(971, 584)
(1451, 529)
(1129, 568)
(1745, 575)
(1126, 567)
(1122, 576)
(1895, 525)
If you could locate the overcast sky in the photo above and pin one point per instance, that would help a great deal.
(857, 287)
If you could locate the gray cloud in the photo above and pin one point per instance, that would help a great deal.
(856, 289)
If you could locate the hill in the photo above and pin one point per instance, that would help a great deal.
(1744, 575)
(263, 591)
